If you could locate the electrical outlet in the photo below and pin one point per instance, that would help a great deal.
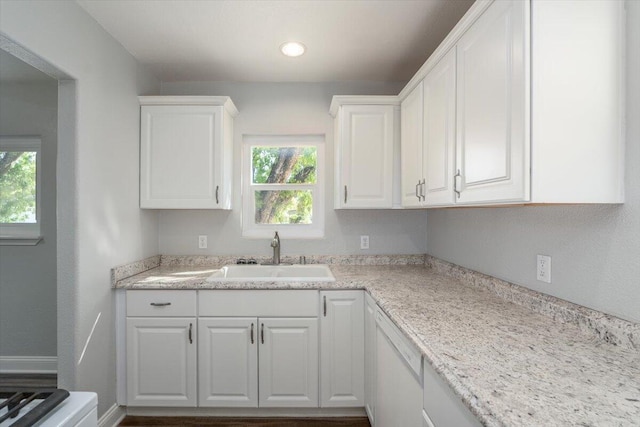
(543, 271)
(202, 242)
(364, 242)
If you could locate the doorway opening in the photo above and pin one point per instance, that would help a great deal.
(37, 103)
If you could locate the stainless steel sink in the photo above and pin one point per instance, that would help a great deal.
(273, 273)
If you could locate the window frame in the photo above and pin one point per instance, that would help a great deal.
(250, 229)
(24, 233)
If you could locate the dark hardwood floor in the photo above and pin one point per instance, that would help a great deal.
(242, 422)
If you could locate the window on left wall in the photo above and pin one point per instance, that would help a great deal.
(20, 190)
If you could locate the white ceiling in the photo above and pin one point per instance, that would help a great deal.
(238, 40)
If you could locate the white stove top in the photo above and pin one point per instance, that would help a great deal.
(77, 410)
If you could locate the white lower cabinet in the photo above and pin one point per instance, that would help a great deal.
(228, 362)
(370, 357)
(441, 406)
(258, 348)
(342, 349)
(299, 349)
(239, 356)
(161, 348)
(288, 365)
(161, 361)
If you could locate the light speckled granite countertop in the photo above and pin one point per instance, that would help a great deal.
(512, 366)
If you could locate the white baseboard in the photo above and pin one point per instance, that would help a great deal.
(113, 416)
(245, 412)
(28, 365)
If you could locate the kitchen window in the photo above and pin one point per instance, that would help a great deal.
(19, 190)
(283, 186)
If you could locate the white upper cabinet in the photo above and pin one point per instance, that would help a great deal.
(186, 146)
(428, 137)
(578, 98)
(439, 132)
(365, 137)
(411, 147)
(535, 108)
(492, 102)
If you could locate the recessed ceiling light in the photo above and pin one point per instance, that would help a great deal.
(292, 49)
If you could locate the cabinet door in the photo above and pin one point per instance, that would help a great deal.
(181, 157)
(411, 122)
(228, 361)
(342, 349)
(366, 150)
(153, 345)
(439, 131)
(399, 393)
(370, 358)
(493, 106)
(288, 365)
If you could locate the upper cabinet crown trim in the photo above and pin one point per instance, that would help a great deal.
(224, 101)
(474, 12)
(340, 100)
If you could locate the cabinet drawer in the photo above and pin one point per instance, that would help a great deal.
(252, 303)
(410, 354)
(161, 303)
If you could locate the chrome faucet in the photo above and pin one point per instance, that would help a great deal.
(275, 244)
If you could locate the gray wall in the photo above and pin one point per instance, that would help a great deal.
(289, 108)
(100, 224)
(28, 273)
(595, 249)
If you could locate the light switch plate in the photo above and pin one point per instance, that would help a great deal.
(364, 242)
(202, 242)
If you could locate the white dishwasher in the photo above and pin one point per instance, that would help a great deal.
(399, 385)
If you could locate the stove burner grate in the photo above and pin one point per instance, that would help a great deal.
(16, 400)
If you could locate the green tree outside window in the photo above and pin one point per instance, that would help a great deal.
(17, 187)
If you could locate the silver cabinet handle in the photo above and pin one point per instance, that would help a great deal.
(423, 184)
(325, 305)
(262, 333)
(160, 304)
(217, 192)
(251, 333)
(345, 194)
(417, 195)
(455, 183)
(190, 333)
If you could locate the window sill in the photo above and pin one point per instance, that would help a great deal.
(289, 234)
(19, 241)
